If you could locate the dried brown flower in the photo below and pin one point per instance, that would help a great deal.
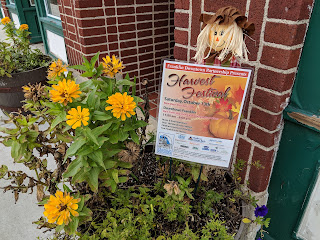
(34, 92)
(172, 187)
(131, 153)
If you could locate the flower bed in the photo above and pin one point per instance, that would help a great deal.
(108, 184)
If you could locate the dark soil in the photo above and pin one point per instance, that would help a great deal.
(150, 170)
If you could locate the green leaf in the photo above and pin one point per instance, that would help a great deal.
(134, 136)
(16, 151)
(85, 84)
(78, 143)
(91, 99)
(115, 175)
(101, 116)
(94, 59)
(123, 135)
(73, 168)
(123, 179)
(91, 136)
(58, 119)
(66, 188)
(97, 156)
(92, 178)
(99, 130)
(72, 226)
(109, 163)
(3, 171)
(124, 82)
(79, 67)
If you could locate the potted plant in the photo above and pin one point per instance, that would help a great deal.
(19, 65)
(108, 183)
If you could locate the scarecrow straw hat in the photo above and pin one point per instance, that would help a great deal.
(237, 25)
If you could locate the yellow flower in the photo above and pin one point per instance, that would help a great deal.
(59, 208)
(111, 67)
(24, 27)
(56, 69)
(122, 105)
(76, 117)
(65, 91)
(5, 20)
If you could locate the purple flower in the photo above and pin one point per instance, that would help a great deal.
(261, 211)
(259, 239)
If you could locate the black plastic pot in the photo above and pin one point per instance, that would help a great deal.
(11, 93)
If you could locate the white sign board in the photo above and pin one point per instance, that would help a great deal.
(199, 111)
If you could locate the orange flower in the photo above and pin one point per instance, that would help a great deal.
(59, 208)
(56, 69)
(5, 20)
(122, 105)
(24, 27)
(65, 91)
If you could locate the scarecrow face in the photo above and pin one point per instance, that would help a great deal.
(218, 37)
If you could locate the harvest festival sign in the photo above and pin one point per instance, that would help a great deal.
(199, 111)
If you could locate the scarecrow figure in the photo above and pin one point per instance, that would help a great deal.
(222, 37)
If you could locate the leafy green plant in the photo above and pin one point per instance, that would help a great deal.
(16, 54)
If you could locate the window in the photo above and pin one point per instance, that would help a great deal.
(32, 3)
(52, 8)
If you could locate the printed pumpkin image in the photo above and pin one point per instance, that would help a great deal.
(223, 126)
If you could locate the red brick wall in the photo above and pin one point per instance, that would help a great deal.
(140, 32)
(274, 55)
(5, 9)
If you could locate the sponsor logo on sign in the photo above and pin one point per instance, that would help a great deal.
(206, 148)
(165, 144)
(196, 139)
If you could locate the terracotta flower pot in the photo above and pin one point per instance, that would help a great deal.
(11, 93)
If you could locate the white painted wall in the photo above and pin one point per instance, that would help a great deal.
(309, 228)
(2, 12)
(57, 46)
(15, 19)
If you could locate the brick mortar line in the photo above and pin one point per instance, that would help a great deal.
(286, 71)
(247, 8)
(259, 127)
(133, 31)
(178, 10)
(117, 26)
(153, 41)
(136, 40)
(235, 151)
(273, 91)
(122, 41)
(105, 25)
(121, 6)
(189, 32)
(267, 111)
(252, 142)
(259, 54)
(255, 144)
(246, 178)
(181, 45)
(284, 47)
(111, 16)
(182, 29)
(289, 22)
(127, 15)
(202, 6)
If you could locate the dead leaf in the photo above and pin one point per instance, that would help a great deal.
(40, 192)
(16, 196)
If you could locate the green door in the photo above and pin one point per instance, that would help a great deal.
(297, 164)
(26, 12)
